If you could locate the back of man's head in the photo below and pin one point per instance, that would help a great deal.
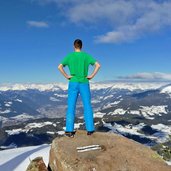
(78, 44)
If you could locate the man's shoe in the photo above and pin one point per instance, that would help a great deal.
(90, 132)
(70, 134)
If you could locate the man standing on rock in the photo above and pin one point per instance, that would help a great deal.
(78, 63)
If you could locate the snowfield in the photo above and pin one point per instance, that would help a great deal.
(118, 111)
(23, 117)
(18, 100)
(145, 111)
(40, 125)
(8, 104)
(152, 110)
(28, 127)
(18, 159)
(54, 99)
(99, 114)
(160, 137)
(163, 134)
(111, 104)
(5, 111)
(166, 90)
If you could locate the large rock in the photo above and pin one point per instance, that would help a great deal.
(37, 164)
(117, 153)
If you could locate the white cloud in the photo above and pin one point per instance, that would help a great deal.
(39, 24)
(148, 76)
(127, 20)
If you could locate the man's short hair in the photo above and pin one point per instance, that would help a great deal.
(78, 44)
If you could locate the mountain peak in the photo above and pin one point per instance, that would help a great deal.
(103, 151)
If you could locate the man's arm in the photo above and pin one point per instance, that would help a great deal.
(60, 67)
(97, 67)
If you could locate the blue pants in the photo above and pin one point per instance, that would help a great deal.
(74, 88)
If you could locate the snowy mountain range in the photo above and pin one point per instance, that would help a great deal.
(35, 113)
(21, 102)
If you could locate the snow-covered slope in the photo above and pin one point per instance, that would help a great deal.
(161, 133)
(147, 112)
(18, 159)
(166, 90)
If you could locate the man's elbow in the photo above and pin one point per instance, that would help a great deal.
(98, 65)
(60, 66)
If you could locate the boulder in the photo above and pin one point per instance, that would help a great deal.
(37, 164)
(111, 152)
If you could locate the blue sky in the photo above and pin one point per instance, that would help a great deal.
(130, 39)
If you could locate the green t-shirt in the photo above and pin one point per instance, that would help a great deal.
(78, 63)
